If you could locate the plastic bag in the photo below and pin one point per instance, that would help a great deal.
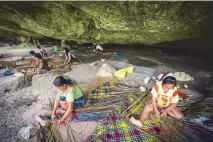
(25, 132)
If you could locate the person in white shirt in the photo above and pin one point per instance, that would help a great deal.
(99, 48)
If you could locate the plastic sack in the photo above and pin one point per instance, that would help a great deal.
(118, 54)
(122, 73)
(8, 73)
(25, 132)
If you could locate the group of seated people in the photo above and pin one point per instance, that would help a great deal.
(40, 64)
(163, 96)
(163, 101)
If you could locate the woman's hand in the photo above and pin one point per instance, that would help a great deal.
(53, 116)
(60, 121)
(163, 113)
(157, 112)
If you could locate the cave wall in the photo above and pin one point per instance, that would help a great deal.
(107, 22)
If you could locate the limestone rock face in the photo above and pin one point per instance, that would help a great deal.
(107, 22)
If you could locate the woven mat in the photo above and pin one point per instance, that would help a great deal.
(111, 89)
(99, 109)
(91, 116)
(119, 129)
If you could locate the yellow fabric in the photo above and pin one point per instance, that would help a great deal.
(122, 72)
(129, 69)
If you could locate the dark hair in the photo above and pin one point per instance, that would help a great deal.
(66, 51)
(32, 52)
(38, 47)
(169, 80)
(37, 55)
(60, 80)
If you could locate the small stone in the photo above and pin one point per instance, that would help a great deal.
(9, 126)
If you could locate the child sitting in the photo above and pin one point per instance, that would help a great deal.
(33, 58)
(164, 100)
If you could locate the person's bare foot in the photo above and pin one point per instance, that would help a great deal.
(136, 122)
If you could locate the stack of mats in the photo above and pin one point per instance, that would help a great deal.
(118, 129)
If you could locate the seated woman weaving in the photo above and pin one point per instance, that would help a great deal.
(69, 57)
(42, 65)
(70, 97)
(164, 100)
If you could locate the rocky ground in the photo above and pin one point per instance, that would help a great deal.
(13, 104)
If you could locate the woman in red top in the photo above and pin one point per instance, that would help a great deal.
(42, 51)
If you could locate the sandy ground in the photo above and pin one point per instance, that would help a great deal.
(14, 104)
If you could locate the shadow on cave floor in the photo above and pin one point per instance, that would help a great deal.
(193, 56)
(193, 53)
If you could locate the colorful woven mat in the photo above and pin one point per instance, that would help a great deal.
(123, 131)
(91, 116)
(107, 85)
(127, 82)
(100, 109)
(103, 90)
(121, 102)
(110, 89)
